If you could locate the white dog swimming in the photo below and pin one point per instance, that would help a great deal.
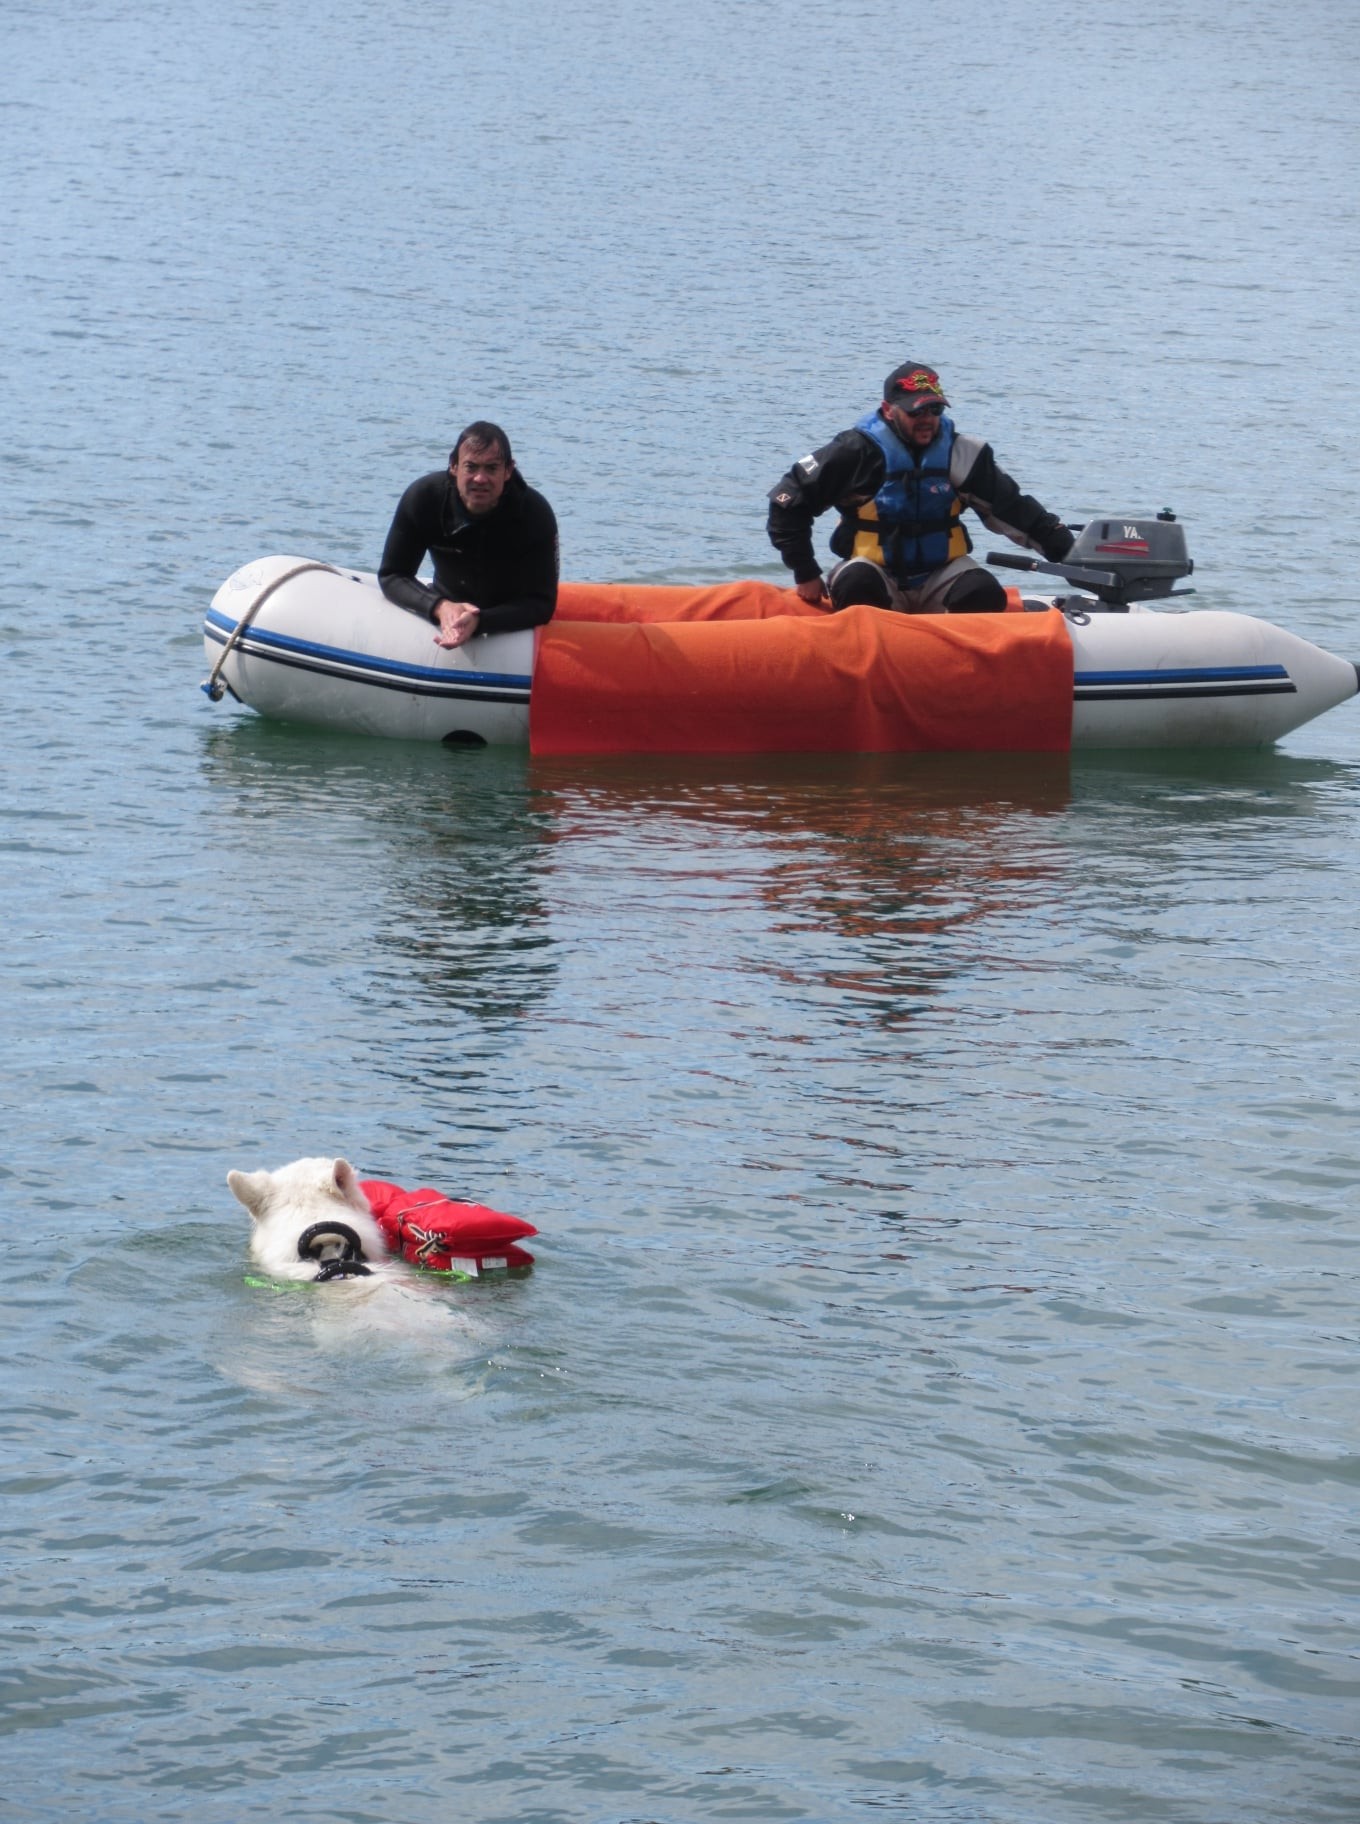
(310, 1220)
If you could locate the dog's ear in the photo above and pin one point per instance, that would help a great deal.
(346, 1181)
(249, 1188)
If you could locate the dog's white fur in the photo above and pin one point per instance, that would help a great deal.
(285, 1203)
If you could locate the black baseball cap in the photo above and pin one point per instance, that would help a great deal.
(913, 384)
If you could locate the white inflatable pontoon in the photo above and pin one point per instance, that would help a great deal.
(302, 641)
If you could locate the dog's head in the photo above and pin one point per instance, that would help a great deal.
(307, 1215)
(303, 1182)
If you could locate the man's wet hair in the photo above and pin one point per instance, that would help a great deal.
(483, 435)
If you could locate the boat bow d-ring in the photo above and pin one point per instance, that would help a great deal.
(212, 687)
(350, 1264)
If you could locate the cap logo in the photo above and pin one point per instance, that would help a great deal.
(920, 380)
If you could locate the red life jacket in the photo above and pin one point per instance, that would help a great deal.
(431, 1230)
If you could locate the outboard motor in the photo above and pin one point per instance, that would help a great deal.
(1119, 560)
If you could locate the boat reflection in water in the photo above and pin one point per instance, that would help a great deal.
(856, 873)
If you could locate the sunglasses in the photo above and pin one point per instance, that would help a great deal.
(934, 409)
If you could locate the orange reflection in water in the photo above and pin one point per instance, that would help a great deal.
(866, 868)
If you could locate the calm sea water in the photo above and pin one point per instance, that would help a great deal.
(936, 1394)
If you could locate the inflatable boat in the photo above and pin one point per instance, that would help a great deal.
(749, 667)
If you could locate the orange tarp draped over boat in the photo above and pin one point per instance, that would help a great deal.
(631, 669)
(747, 600)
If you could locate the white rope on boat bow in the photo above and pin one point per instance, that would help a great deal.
(211, 688)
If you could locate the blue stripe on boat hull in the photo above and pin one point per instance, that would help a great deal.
(506, 687)
(362, 668)
(1184, 681)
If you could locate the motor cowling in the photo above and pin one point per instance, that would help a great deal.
(1142, 558)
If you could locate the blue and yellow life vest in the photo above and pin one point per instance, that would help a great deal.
(912, 525)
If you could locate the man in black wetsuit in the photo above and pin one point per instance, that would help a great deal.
(492, 538)
(900, 480)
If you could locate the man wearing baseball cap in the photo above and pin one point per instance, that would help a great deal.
(900, 480)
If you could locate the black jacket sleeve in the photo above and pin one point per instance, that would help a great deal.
(848, 469)
(1000, 505)
(414, 530)
(521, 586)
